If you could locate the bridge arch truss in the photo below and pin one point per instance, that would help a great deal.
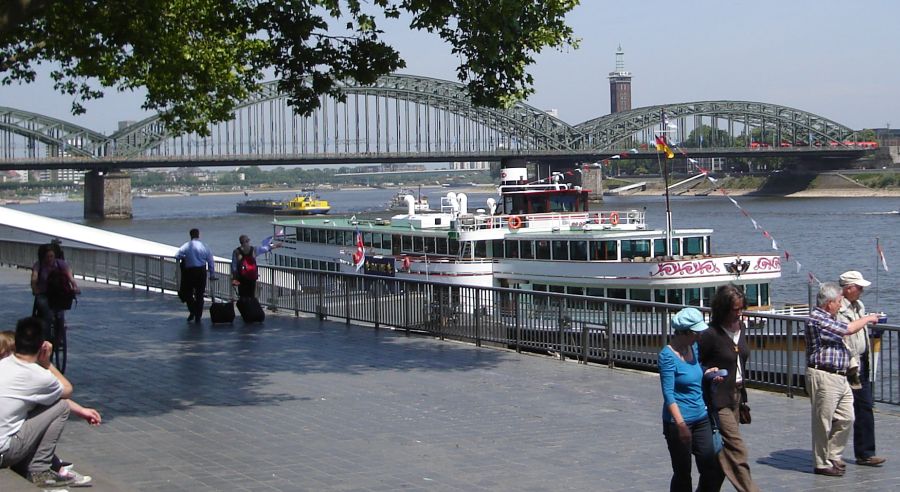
(57, 138)
(774, 123)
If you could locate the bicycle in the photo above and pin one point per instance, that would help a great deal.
(56, 334)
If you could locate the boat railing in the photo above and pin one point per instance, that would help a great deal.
(610, 331)
(607, 219)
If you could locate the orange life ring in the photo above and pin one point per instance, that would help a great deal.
(614, 218)
(515, 222)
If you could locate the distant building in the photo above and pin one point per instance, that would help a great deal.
(64, 175)
(619, 85)
(480, 165)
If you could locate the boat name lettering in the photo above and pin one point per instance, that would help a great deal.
(768, 263)
(685, 268)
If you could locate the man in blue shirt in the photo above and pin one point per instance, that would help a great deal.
(827, 360)
(197, 258)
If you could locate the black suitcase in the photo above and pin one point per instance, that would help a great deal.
(251, 311)
(221, 312)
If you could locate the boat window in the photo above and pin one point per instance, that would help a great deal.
(386, 241)
(575, 303)
(578, 250)
(512, 249)
(751, 291)
(692, 297)
(560, 250)
(708, 242)
(764, 295)
(307, 235)
(603, 250)
(526, 250)
(632, 248)
(376, 240)
(307, 263)
(367, 239)
(640, 295)
(562, 203)
(406, 243)
(659, 295)
(395, 244)
(441, 245)
(497, 248)
(321, 236)
(617, 293)
(596, 292)
(708, 293)
(330, 236)
(538, 205)
(429, 245)
(675, 296)
(480, 249)
(676, 246)
(659, 248)
(418, 244)
(693, 245)
(542, 249)
(454, 247)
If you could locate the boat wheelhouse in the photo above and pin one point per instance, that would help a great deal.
(538, 237)
(305, 203)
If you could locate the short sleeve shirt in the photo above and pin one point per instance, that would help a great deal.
(23, 386)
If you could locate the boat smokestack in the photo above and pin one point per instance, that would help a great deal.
(492, 205)
(451, 199)
(410, 204)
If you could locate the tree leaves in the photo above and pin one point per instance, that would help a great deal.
(197, 59)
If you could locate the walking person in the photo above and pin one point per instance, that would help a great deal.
(48, 277)
(724, 346)
(852, 308)
(827, 361)
(243, 265)
(686, 424)
(198, 259)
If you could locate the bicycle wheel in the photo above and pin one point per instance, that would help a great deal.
(60, 343)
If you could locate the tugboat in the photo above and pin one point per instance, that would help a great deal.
(398, 202)
(304, 204)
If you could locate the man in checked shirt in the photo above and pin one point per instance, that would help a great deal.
(827, 360)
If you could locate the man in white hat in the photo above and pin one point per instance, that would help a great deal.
(860, 374)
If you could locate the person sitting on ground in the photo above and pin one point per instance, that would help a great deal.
(33, 410)
(243, 265)
(91, 416)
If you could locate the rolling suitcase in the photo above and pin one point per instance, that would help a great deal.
(221, 311)
(251, 311)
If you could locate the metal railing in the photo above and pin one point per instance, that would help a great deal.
(615, 332)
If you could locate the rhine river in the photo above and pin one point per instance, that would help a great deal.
(826, 235)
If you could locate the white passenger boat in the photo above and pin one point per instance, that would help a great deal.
(398, 202)
(538, 237)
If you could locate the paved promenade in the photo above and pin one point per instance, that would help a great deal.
(298, 404)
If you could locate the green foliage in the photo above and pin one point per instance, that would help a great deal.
(711, 137)
(878, 180)
(198, 58)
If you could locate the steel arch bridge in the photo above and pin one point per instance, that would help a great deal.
(399, 118)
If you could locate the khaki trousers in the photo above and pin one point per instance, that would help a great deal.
(733, 457)
(832, 415)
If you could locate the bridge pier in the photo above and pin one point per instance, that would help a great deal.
(107, 195)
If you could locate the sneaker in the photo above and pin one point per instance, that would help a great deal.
(78, 480)
(49, 478)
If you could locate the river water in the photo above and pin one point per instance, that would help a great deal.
(826, 235)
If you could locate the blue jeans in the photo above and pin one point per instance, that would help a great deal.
(48, 315)
(701, 446)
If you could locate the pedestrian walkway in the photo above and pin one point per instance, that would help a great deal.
(299, 404)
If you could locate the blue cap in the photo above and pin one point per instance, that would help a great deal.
(688, 319)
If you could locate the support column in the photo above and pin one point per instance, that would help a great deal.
(107, 195)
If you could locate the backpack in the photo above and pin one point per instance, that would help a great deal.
(60, 293)
(247, 267)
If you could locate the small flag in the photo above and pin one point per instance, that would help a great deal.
(359, 257)
(787, 256)
(662, 146)
(799, 266)
(881, 255)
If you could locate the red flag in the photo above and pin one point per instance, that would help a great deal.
(881, 255)
(359, 257)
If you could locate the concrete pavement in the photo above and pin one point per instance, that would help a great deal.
(299, 404)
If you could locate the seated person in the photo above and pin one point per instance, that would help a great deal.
(34, 407)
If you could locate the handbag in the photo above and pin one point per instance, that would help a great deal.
(744, 413)
(718, 445)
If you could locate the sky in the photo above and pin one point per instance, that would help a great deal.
(837, 59)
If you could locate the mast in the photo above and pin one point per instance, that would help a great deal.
(665, 166)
